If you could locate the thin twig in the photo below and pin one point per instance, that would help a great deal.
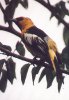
(8, 53)
(10, 30)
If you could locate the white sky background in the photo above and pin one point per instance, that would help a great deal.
(17, 91)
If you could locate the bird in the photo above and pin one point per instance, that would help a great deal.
(46, 45)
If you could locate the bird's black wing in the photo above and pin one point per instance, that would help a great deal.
(37, 31)
(36, 44)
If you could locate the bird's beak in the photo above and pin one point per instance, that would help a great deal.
(14, 20)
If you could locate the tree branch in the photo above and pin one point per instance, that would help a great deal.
(53, 10)
(10, 30)
(8, 53)
(37, 62)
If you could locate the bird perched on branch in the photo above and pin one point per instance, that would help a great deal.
(39, 42)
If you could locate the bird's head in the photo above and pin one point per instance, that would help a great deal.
(24, 23)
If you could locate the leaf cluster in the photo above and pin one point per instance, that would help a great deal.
(7, 72)
(46, 72)
(60, 10)
(11, 6)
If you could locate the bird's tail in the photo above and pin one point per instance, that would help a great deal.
(56, 64)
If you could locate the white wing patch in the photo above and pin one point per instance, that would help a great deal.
(31, 37)
(36, 44)
(28, 38)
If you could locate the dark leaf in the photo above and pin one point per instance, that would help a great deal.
(33, 74)
(24, 71)
(6, 46)
(67, 66)
(1, 44)
(50, 77)
(61, 10)
(3, 81)
(10, 9)
(63, 65)
(7, 1)
(59, 22)
(38, 69)
(10, 65)
(20, 48)
(66, 35)
(60, 82)
(65, 10)
(35, 71)
(51, 16)
(65, 55)
(24, 3)
(1, 64)
(43, 73)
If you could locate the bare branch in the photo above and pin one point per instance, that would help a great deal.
(10, 30)
(53, 10)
